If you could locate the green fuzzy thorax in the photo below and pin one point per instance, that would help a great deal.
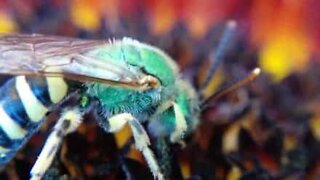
(146, 58)
(117, 100)
(139, 58)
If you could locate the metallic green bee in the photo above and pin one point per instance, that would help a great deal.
(123, 81)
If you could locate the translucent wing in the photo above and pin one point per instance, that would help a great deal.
(62, 57)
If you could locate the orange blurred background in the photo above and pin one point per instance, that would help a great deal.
(286, 33)
(280, 36)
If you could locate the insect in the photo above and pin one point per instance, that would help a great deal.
(118, 74)
(122, 81)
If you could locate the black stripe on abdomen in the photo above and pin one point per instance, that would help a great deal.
(13, 106)
(39, 88)
(12, 145)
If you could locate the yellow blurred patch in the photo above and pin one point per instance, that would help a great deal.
(135, 154)
(230, 140)
(123, 136)
(185, 169)
(234, 173)
(314, 126)
(290, 142)
(214, 83)
(85, 15)
(7, 24)
(284, 54)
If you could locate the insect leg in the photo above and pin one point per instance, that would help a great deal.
(141, 139)
(67, 123)
(181, 124)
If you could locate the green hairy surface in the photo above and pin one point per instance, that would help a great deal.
(141, 56)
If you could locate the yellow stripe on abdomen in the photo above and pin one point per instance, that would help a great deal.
(57, 88)
(34, 108)
(10, 127)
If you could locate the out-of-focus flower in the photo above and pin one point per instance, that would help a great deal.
(198, 17)
(88, 14)
(279, 28)
(84, 15)
(315, 126)
(283, 54)
(7, 24)
(162, 16)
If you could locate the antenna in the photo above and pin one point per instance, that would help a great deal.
(229, 88)
(216, 58)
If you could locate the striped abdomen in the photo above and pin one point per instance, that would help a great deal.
(24, 101)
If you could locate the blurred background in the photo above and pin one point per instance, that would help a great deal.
(269, 129)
